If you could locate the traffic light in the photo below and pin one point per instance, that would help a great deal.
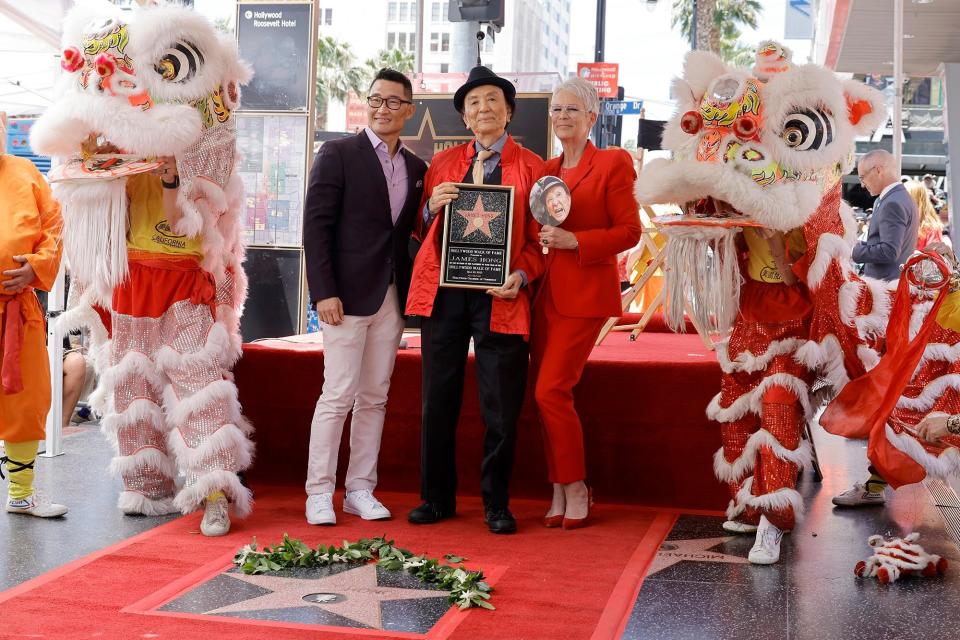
(491, 11)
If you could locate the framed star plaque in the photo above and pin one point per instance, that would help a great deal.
(476, 237)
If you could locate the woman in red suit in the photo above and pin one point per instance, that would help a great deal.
(581, 287)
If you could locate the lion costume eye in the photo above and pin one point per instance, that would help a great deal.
(808, 129)
(179, 63)
(793, 136)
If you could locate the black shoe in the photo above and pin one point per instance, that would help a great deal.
(501, 521)
(430, 512)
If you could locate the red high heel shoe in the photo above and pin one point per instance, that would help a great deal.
(552, 522)
(578, 523)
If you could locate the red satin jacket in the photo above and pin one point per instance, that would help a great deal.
(519, 167)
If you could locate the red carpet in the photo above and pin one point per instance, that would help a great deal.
(642, 405)
(549, 583)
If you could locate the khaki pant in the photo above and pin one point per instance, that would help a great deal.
(358, 359)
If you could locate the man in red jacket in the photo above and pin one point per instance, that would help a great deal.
(498, 320)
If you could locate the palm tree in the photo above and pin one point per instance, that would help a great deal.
(224, 25)
(337, 75)
(395, 59)
(718, 24)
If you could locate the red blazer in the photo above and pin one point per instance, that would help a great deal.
(519, 167)
(605, 218)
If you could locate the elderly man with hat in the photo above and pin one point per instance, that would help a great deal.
(498, 319)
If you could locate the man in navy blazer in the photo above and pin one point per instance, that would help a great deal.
(362, 201)
(891, 239)
(892, 235)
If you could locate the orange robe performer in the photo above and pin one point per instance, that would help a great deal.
(29, 259)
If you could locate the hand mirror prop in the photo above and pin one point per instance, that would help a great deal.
(550, 202)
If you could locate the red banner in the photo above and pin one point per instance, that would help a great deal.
(602, 75)
(356, 113)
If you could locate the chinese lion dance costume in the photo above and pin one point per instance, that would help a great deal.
(161, 294)
(898, 557)
(762, 256)
(916, 381)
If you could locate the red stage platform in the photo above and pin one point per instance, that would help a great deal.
(642, 406)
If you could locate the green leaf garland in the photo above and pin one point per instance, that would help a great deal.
(467, 588)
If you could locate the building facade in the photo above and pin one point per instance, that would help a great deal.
(534, 38)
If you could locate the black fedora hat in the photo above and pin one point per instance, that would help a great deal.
(478, 77)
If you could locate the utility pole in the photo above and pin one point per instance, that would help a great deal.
(601, 30)
(598, 53)
(418, 51)
(463, 46)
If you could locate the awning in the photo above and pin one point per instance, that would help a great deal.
(29, 53)
(860, 36)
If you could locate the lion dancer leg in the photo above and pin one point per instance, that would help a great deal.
(761, 456)
(171, 349)
(762, 405)
(732, 463)
(134, 419)
(208, 433)
(772, 489)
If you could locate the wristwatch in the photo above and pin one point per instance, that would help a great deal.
(171, 185)
(953, 425)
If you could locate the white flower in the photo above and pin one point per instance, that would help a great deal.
(415, 561)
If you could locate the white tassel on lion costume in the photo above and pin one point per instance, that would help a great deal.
(703, 272)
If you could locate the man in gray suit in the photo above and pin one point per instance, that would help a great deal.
(891, 239)
(892, 235)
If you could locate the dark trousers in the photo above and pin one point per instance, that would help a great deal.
(501, 365)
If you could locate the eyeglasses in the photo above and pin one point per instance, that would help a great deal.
(569, 110)
(392, 103)
(863, 175)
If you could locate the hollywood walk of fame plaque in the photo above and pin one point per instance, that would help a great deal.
(348, 596)
(476, 237)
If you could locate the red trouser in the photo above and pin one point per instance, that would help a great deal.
(762, 451)
(559, 348)
(783, 418)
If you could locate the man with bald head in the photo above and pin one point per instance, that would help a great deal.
(892, 235)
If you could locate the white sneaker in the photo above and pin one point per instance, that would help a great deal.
(320, 509)
(36, 504)
(362, 503)
(735, 526)
(858, 496)
(766, 549)
(216, 518)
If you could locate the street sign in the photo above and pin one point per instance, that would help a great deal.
(602, 75)
(622, 107)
